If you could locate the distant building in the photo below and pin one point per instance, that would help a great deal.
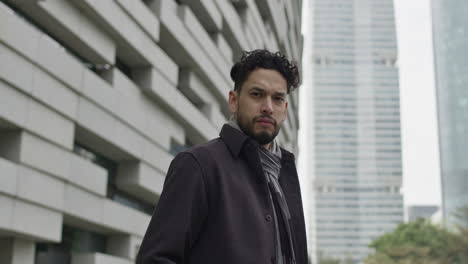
(421, 211)
(450, 33)
(436, 218)
(356, 134)
(96, 98)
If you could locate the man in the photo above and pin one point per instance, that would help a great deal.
(235, 199)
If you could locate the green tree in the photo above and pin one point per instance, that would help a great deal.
(420, 234)
(420, 242)
(462, 243)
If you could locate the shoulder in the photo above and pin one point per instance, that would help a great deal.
(197, 159)
(208, 151)
(287, 156)
(203, 158)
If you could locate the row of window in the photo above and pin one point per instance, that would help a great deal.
(74, 240)
(338, 165)
(323, 229)
(353, 120)
(358, 189)
(331, 172)
(339, 162)
(337, 205)
(355, 143)
(344, 244)
(340, 237)
(62, 46)
(338, 69)
(336, 213)
(358, 222)
(338, 105)
(351, 39)
(327, 61)
(368, 119)
(343, 128)
(355, 156)
(340, 159)
(351, 47)
(113, 192)
(351, 107)
(326, 197)
(339, 149)
(343, 136)
(378, 87)
(352, 97)
(109, 165)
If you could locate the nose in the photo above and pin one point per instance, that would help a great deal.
(267, 106)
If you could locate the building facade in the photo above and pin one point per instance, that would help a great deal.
(96, 97)
(450, 33)
(356, 142)
(421, 211)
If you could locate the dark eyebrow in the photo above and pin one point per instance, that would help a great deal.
(258, 89)
(280, 94)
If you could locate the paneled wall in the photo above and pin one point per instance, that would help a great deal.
(97, 96)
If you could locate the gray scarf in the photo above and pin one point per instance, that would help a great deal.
(271, 164)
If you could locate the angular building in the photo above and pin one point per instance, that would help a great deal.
(356, 141)
(450, 33)
(96, 97)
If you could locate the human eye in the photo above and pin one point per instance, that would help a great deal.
(279, 99)
(255, 94)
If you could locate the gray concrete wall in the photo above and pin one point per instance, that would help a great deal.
(126, 79)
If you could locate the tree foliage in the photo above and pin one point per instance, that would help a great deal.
(421, 242)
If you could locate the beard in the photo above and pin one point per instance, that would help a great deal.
(262, 137)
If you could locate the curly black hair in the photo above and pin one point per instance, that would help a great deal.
(260, 58)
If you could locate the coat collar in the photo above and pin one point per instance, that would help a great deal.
(235, 141)
(287, 156)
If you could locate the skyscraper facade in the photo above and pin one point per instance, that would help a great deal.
(357, 170)
(450, 33)
(96, 98)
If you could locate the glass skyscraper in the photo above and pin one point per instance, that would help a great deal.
(356, 132)
(450, 32)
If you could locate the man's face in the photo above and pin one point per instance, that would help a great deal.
(260, 107)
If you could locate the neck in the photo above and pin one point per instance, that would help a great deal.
(267, 146)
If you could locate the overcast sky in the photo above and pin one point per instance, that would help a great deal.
(421, 173)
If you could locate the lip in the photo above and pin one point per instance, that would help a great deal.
(264, 121)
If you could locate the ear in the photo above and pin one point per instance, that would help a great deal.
(233, 101)
(285, 111)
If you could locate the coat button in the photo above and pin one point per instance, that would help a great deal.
(268, 217)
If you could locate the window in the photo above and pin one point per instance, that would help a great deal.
(73, 240)
(96, 68)
(125, 69)
(113, 191)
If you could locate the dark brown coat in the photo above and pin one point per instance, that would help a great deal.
(215, 208)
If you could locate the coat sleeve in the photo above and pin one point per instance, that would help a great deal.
(179, 214)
